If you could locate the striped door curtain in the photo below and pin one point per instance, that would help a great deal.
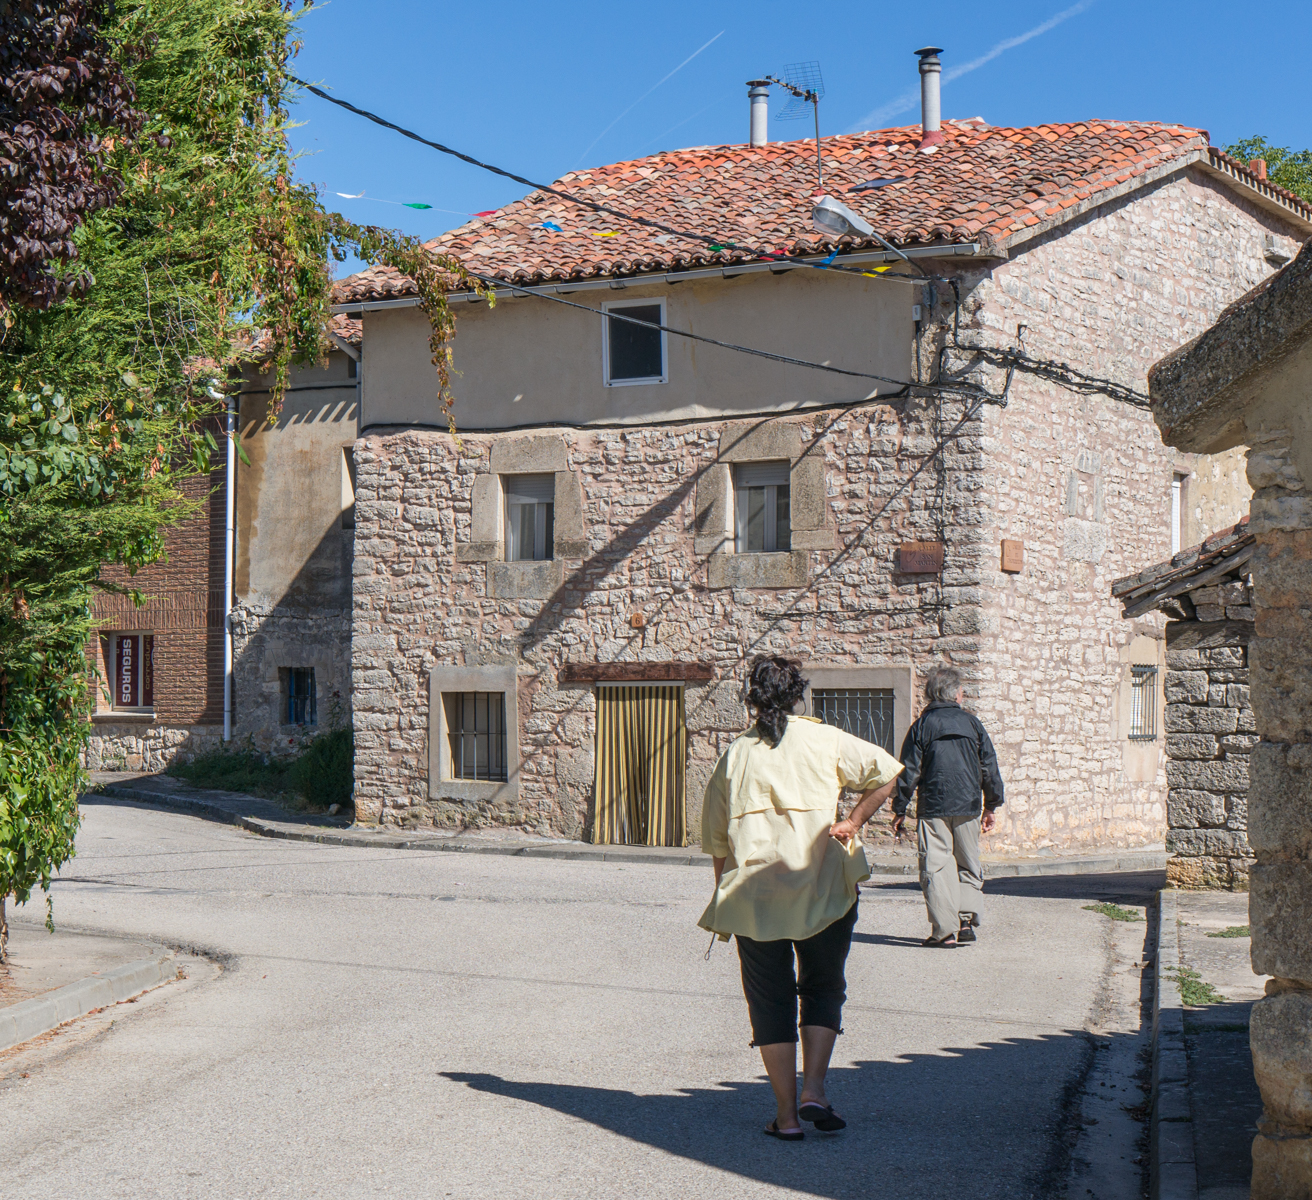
(642, 747)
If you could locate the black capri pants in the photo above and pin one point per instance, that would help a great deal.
(773, 990)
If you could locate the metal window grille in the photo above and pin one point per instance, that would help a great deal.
(863, 712)
(476, 725)
(764, 515)
(1143, 704)
(302, 702)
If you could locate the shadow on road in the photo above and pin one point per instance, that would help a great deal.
(1122, 887)
(992, 1120)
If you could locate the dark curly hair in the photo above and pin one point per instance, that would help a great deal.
(773, 689)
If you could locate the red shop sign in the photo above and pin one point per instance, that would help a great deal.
(134, 674)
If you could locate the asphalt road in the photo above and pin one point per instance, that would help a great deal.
(419, 1024)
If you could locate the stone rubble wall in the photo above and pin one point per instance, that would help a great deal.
(1210, 733)
(143, 746)
(416, 606)
(1085, 482)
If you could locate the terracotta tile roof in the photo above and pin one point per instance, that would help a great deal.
(982, 185)
(1223, 556)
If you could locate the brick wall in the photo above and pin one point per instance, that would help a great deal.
(184, 612)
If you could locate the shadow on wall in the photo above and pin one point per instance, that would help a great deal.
(990, 1120)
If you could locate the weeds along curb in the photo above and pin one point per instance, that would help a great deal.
(31, 1018)
(230, 813)
(1173, 1171)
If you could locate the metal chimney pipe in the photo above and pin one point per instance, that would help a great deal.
(931, 71)
(758, 92)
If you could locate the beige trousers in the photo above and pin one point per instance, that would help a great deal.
(951, 875)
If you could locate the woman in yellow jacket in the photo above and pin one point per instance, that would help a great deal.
(786, 872)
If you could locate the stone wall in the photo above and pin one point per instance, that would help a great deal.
(1210, 733)
(1085, 482)
(416, 606)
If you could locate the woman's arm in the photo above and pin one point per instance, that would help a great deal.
(866, 807)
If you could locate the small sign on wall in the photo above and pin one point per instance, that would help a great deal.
(1013, 556)
(920, 558)
(134, 670)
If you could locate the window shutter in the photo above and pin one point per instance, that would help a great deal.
(763, 474)
(530, 489)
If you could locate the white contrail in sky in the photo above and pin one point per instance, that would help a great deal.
(908, 99)
(649, 91)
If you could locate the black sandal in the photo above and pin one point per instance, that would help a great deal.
(947, 943)
(822, 1116)
(773, 1130)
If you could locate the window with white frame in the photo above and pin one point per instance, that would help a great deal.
(1177, 510)
(633, 345)
(130, 665)
(762, 516)
(530, 516)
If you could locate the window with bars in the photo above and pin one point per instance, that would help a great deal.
(530, 516)
(866, 713)
(764, 515)
(300, 697)
(1143, 703)
(476, 727)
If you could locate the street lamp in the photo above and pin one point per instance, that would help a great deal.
(835, 218)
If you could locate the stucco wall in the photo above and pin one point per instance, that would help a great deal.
(1085, 482)
(529, 360)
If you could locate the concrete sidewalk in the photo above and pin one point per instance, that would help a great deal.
(270, 820)
(1206, 1102)
(56, 977)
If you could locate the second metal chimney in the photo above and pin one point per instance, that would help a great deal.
(930, 72)
(758, 92)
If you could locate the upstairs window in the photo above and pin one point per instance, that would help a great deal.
(1178, 483)
(530, 516)
(866, 713)
(300, 699)
(131, 662)
(763, 516)
(634, 353)
(1143, 703)
(476, 725)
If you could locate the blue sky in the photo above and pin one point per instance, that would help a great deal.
(542, 89)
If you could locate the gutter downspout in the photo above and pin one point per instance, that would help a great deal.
(229, 556)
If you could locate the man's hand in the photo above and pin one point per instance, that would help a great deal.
(988, 821)
(899, 823)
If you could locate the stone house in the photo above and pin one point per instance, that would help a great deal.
(163, 669)
(1247, 381)
(629, 515)
(1209, 729)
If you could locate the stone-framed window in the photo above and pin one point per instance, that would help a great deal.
(529, 517)
(518, 466)
(762, 513)
(632, 353)
(871, 702)
(473, 734)
(746, 447)
(1143, 702)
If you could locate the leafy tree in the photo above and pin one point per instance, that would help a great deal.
(1290, 169)
(208, 249)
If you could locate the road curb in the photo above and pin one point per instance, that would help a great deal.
(31, 1018)
(1173, 1171)
(1107, 862)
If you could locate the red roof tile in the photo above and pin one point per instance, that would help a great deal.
(981, 185)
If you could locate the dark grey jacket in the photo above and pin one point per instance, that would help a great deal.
(948, 755)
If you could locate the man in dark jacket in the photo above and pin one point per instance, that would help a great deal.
(948, 756)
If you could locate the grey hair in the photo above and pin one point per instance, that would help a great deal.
(942, 683)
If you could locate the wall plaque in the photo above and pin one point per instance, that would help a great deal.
(1013, 555)
(920, 558)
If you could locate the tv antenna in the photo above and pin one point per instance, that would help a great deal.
(807, 85)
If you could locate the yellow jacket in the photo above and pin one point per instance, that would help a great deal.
(767, 812)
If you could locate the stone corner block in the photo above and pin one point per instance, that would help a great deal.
(541, 454)
(759, 441)
(476, 552)
(525, 580)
